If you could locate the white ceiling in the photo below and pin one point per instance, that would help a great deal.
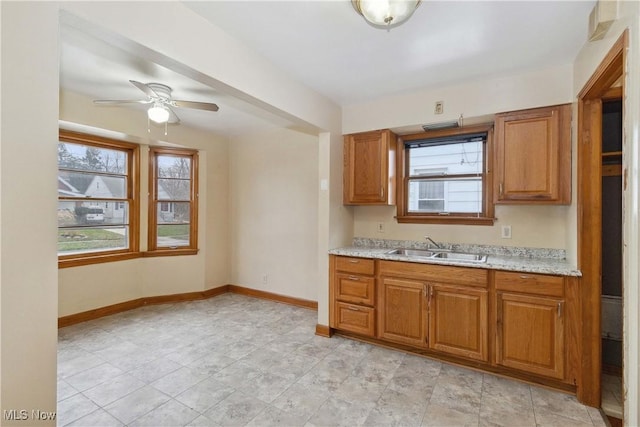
(327, 46)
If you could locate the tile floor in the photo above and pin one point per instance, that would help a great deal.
(234, 360)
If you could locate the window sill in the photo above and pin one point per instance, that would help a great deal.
(67, 261)
(169, 252)
(432, 219)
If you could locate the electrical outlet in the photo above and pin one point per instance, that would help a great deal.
(381, 227)
(506, 231)
(439, 109)
(265, 279)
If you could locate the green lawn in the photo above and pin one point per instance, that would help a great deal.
(175, 231)
(90, 238)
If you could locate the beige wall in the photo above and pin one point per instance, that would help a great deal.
(28, 280)
(335, 227)
(273, 191)
(472, 99)
(531, 226)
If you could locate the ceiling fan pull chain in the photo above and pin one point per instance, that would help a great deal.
(165, 128)
(148, 125)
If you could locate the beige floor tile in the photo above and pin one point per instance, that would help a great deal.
(235, 360)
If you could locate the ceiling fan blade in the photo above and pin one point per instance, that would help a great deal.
(197, 105)
(146, 89)
(173, 117)
(121, 101)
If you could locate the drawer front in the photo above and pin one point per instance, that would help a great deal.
(355, 265)
(356, 289)
(435, 273)
(355, 318)
(537, 284)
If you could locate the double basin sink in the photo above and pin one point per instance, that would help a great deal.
(439, 254)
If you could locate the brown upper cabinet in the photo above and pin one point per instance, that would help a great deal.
(533, 156)
(369, 168)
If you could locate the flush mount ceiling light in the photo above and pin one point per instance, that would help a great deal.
(385, 13)
(158, 113)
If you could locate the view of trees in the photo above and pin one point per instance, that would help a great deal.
(87, 158)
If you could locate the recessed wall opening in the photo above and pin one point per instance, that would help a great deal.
(600, 207)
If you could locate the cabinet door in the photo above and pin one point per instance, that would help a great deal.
(402, 311)
(458, 321)
(533, 156)
(530, 334)
(369, 176)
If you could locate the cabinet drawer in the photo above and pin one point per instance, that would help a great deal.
(354, 288)
(435, 273)
(355, 265)
(538, 284)
(355, 318)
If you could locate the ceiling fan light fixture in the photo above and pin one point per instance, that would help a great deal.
(385, 13)
(158, 113)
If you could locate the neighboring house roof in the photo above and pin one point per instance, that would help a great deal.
(65, 188)
(79, 181)
(76, 185)
(100, 187)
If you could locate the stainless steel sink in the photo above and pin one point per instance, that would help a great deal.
(445, 255)
(421, 253)
(460, 256)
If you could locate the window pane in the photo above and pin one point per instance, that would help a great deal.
(174, 189)
(431, 205)
(449, 159)
(87, 213)
(173, 213)
(173, 224)
(431, 189)
(461, 195)
(89, 158)
(174, 167)
(83, 184)
(92, 239)
(173, 235)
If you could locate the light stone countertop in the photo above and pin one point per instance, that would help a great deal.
(526, 260)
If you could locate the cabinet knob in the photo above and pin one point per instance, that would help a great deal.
(500, 189)
(354, 261)
(352, 308)
(354, 278)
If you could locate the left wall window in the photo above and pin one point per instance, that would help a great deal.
(97, 199)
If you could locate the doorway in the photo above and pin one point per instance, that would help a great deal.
(612, 401)
(602, 94)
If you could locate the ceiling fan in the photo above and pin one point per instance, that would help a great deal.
(160, 96)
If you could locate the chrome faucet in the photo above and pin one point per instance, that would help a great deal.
(430, 240)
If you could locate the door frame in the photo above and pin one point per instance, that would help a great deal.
(589, 164)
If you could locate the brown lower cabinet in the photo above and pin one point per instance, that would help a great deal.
(524, 325)
(458, 321)
(402, 316)
(530, 323)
